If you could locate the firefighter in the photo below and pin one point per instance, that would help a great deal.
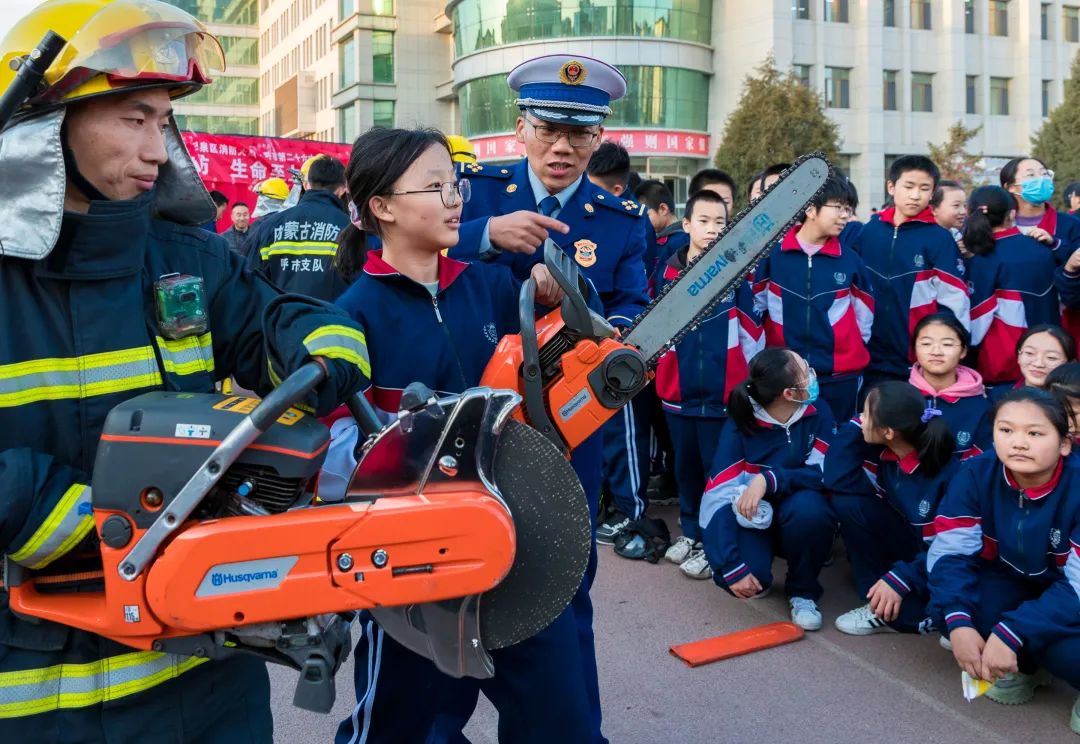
(108, 211)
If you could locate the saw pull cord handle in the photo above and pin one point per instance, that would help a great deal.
(30, 74)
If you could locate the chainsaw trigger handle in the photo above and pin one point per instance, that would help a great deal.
(577, 316)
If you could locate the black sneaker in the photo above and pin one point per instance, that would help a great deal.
(662, 489)
(611, 527)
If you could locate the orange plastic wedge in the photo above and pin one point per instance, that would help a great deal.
(741, 642)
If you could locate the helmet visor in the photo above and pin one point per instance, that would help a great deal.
(139, 40)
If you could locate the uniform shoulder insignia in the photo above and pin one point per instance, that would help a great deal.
(628, 207)
(478, 170)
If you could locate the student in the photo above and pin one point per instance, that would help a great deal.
(670, 236)
(403, 187)
(950, 209)
(887, 537)
(609, 168)
(815, 298)
(1039, 351)
(1005, 565)
(695, 378)
(957, 391)
(1012, 279)
(914, 265)
(1032, 183)
(766, 495)
(1064, 384)
(716, 180)
(1070, 198)
(765, 179)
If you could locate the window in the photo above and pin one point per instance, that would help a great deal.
(999, 17)
(922, 91)
(347, 128)
(838, 87)
(228, 91)
(383, 8)
(347, 62)
(969, 16)
(1044, 22)
(800, 9)
(1070, 21)
(889, 101)
(346, 8)
(836, 11)
(999, 96)
(971, 86)
(239, 50)
(920, 14)
(1046, 97)
(383, 114)
(890, 13)
(382, 56)
(802, 73)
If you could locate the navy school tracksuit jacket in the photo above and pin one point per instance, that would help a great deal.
(819, 306)
(1013, 288)
(965, 407)
(916, 270)
(695, 377)
(986, 522)
(790, 456)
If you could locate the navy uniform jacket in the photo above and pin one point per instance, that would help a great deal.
(607, 234)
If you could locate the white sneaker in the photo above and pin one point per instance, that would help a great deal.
(679, 550)
(861, 621)
(945, 643)
(696, 566)
(805, 613)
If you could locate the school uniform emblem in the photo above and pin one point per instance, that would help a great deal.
(919, 260)
(924, 508)
(585, 253)
(728, 298)
(963, 438)
(840, 278)
(1055, 537)
(960, 266)
(490, 333)
(572, 73)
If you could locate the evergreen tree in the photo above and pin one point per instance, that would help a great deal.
(953, 159)
(1058, 142)
(777, 120)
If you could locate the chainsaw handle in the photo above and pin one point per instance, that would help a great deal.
(293, 388)
(364, 413)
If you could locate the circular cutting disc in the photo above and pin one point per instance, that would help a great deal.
(551, 519)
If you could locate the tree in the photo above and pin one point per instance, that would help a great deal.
(952, 157)
(1058, 142)
(776, 120)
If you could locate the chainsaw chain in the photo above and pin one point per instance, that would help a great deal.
(707, 310)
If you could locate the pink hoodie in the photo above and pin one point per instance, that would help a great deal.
(969, 384)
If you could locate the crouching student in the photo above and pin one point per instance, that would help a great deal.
(887, 537)
(940, 343)
(437, 322)
(815, 298)
(695, 378)
(766, 491)
(1005, 565)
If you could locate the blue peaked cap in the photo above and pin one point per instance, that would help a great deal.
(567, 89)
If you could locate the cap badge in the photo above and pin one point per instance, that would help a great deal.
(572, 73)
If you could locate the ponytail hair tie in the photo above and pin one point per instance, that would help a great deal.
(354, 215)
(983, 208)
(929, 413)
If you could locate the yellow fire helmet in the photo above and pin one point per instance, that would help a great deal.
(461, 150)
(275, 188)
(113, 45)
(308, 163)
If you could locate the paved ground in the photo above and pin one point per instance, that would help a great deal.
(827, 688)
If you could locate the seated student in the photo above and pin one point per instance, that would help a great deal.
(718, 181)
(815, 298)
(1064, 384)
(1039, 351)
(887, 537)
(950, 210)
(957, 391)
(1005, 564)
(1013, 283)
(766, 495)
(437, 322)
(914, 265)
(694, 379)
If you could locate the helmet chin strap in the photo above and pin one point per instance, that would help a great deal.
(74, 174)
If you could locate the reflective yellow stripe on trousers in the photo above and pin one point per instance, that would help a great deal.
(65, 527)
(78, 377)
(32, 691)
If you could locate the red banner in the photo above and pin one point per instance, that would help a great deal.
(232, 164)
(637, 141)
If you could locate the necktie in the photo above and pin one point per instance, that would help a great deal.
(548, 205)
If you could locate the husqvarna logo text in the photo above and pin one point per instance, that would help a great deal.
(219, 579)
(245, 576)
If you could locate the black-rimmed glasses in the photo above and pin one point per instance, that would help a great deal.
(451, 192)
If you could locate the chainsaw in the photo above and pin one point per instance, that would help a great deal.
(463, 527)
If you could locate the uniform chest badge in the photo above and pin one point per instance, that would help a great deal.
(490, 333)
(1055, 537)
(963, 438)
(960, 266)
(511, 188)
(924, 508)
(918, 260)
(840, 277)
(585, 253)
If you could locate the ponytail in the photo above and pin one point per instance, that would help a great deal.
(988, 210)
(901, 407)
(772, 371)
(351, 252)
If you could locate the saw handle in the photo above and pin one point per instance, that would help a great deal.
(364, 413)
(293, 388)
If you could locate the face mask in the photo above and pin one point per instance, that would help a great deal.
(1037, 190)
(811, 392)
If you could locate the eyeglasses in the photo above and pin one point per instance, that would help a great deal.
(1050, 357)
(579, 138)
(1044, 172)
(451, 192)
(844, 209)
